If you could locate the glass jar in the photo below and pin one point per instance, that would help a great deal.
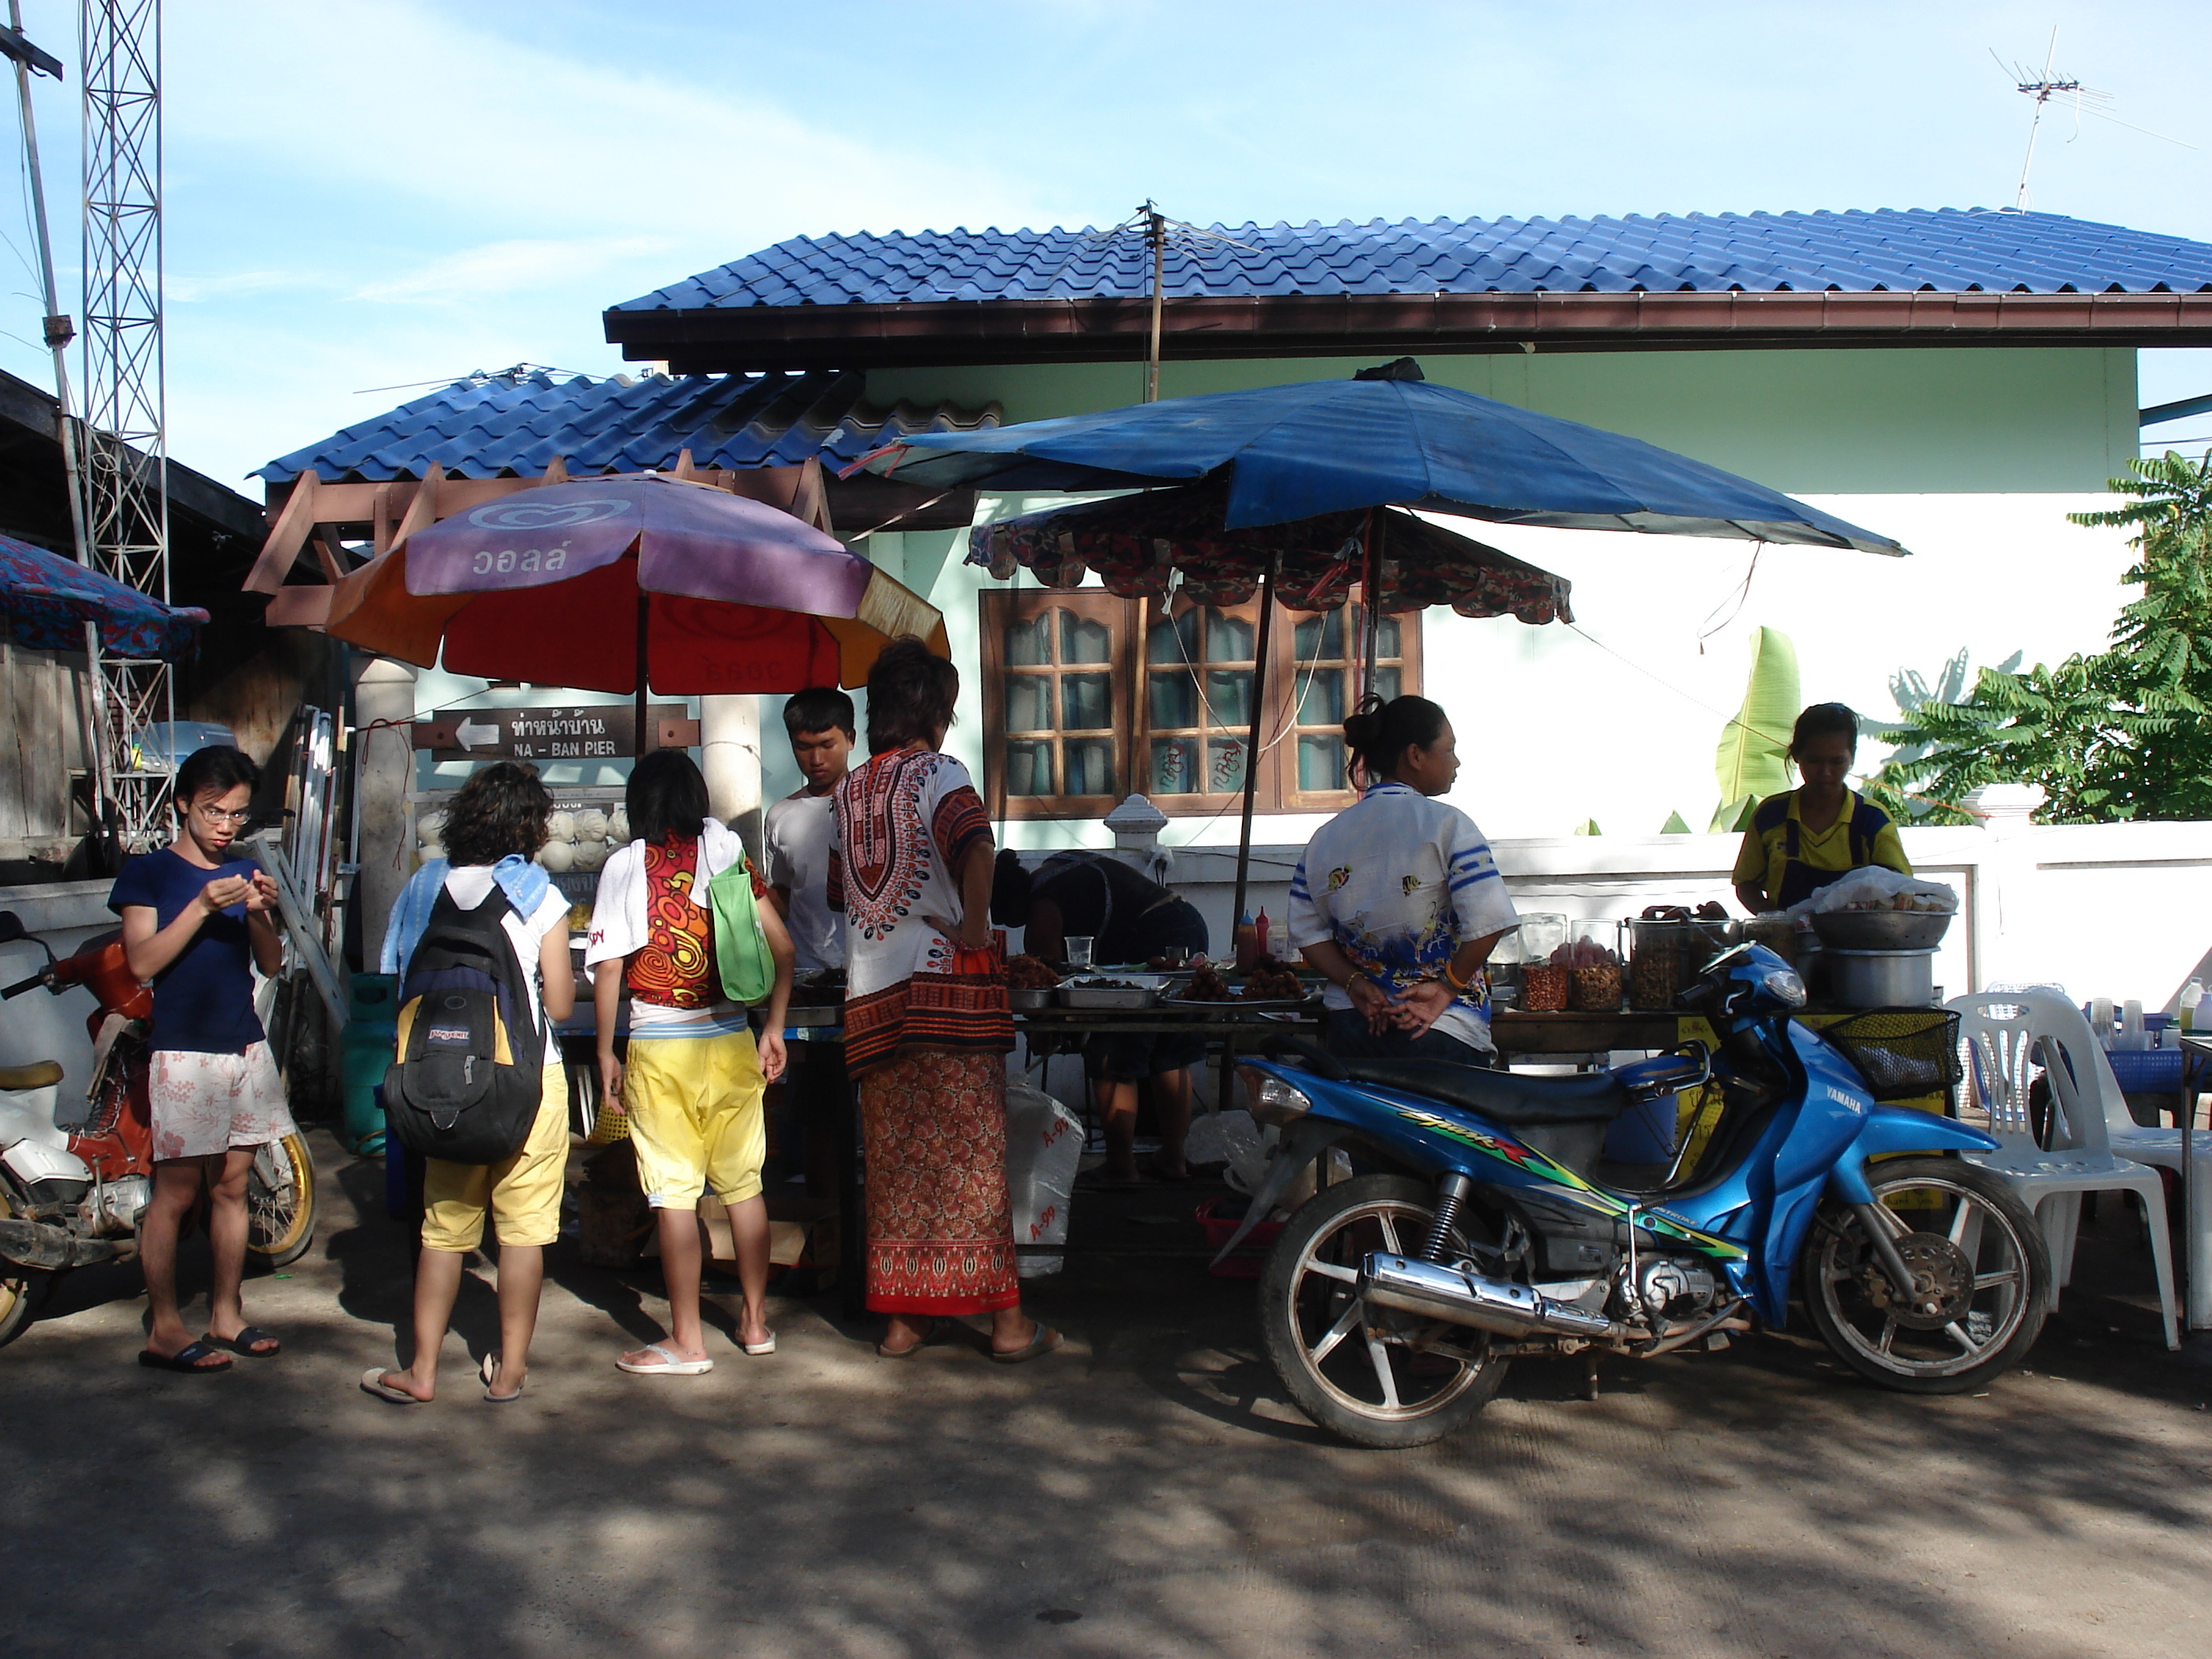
(1543, 980)
(1593, 968)
(1663, 957)
(1503, 972)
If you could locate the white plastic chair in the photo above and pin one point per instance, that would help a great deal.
(2008, 1036)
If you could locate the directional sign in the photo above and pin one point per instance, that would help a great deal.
(605, 731)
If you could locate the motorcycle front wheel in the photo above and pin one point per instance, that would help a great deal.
(1975, 1252)
(280, 1201)
(1375, 1377)
(22, 1289)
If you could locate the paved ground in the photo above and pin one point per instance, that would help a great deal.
(1146, 1492)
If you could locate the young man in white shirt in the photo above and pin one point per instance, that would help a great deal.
(797, 832)
(795, 836)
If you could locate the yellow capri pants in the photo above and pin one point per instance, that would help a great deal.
(522, 1192)
(695, 1117)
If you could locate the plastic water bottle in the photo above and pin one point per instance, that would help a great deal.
(2100, 1020)
(2191, 994)
(2134, 1038)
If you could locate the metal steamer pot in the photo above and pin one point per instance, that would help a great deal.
(1881, 979)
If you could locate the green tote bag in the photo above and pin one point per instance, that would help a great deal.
(741, 946)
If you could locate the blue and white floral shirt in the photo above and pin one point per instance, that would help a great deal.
(1399, 882)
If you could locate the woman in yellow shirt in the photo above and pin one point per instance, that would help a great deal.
(1800, 841)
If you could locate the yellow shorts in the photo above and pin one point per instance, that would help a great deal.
(522, 1192)
(695, 1117)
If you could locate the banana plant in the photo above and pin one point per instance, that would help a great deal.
(1752, 760)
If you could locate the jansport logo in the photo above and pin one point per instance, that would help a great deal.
(448, 1037)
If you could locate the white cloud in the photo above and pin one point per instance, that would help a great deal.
(508, 267)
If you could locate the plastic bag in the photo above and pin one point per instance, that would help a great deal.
(1044, 1143)
(1233, 1138)
(1875, 888)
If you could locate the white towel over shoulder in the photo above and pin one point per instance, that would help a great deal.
(618, 913)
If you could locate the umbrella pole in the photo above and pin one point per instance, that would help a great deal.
(644, 744)
(1370, 583)
(1252, 743)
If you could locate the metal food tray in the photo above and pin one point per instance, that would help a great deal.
(1029, 1001)
(1098, 996)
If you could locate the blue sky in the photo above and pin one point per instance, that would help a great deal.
(368, 195)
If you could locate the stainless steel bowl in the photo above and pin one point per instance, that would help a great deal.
(1029, 1002)
(1881, 930)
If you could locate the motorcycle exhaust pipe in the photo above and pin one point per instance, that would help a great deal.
(1497, 1305)
(35, 1244)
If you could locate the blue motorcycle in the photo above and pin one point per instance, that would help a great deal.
(1484, 1224)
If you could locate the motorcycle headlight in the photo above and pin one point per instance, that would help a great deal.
(1785, 986)
(1276, 1102)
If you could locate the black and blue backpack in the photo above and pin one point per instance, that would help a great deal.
(466, 1080)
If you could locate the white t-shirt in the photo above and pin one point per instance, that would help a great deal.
(798, 834)
(1399, 882)
(471, 885)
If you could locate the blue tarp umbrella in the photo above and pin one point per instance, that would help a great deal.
(48, 599)
(1383, 438)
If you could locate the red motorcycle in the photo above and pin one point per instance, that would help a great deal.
(72, 1193)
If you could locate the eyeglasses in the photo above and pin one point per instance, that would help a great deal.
(216, 815)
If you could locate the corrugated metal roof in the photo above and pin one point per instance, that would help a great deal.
(1947, 250)
(490, 426)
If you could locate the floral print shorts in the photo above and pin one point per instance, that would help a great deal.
(205, 1104)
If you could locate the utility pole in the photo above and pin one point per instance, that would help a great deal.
(126, 460)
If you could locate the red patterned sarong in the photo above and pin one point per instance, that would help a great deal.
(940, 1228)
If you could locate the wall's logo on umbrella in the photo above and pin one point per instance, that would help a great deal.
(513, 514)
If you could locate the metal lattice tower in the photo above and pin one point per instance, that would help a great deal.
(126, 443)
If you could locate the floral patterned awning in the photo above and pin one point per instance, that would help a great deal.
(1137, 543)
(48, 599)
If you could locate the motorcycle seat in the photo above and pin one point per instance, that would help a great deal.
(38, 1074)
(1513, 1098)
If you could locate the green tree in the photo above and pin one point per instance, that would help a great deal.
(2121, 734)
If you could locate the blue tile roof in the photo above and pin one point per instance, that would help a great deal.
(489, 426)
(1948, 250)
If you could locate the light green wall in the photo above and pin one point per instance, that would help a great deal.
(1983, 420)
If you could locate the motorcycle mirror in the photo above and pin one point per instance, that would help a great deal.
(11, 927)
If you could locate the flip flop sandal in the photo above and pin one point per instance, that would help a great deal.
(242, 1345)
(489, 1372)
(758, 1349)
(929, 1338)
(1044, 1341)
(372, 1382)
(671, 1364)
(185, 1359)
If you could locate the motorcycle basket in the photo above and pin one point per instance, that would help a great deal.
(1903, 1054)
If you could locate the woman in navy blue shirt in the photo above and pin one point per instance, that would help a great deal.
(195, 923)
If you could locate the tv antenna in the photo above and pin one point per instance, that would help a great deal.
(2086, 100)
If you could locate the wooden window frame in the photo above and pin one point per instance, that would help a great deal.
(1129, 623)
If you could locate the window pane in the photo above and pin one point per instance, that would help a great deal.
(1173, 642)
(1228, 639)
(1230, 694)
(1322, 701)
(1224, 766)
(1386, 638)
(1029, 643)
(1320, 764)
(1175, 699)
(1082, 640)
(1320, 638)
(1029, 769)
(1175, 766)
(1090, 762)
(1387, 681)
(1029, 702)
(1086, 703)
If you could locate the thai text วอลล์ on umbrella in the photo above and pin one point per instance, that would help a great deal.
(605, 584)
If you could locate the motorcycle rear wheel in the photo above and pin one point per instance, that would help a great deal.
(1976, 1243)
(280, 1201)
(1354, 1370)
(22, 1289)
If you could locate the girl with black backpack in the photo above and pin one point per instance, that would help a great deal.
(496, 828)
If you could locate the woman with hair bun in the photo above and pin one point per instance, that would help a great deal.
(1798, 842)
(1398, 901)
